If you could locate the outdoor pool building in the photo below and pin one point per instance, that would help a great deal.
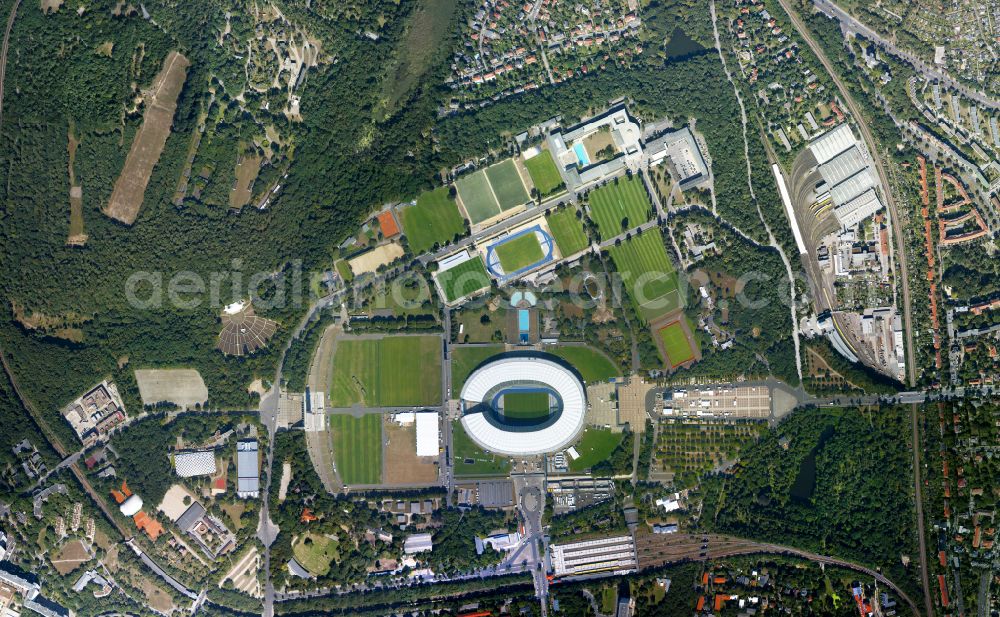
(615, 129)
(523, 405)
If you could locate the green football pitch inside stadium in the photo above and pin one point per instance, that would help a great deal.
(522, 406)
(434, 219)
(357, 447)
(567, 231)
(619, 205)
(392, 371)
(465, 278)
(647, 273)
(544, 173)
(675, 344)
(520, 252)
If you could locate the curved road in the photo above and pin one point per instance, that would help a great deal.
(6, 44)
(904, 275)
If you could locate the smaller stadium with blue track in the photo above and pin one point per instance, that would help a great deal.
(518, 253)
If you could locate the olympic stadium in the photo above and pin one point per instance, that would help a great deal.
(523, 405)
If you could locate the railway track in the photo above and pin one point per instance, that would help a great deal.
(656, 551)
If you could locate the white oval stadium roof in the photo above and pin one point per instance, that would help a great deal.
(548, 437)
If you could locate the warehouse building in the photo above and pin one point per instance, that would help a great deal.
(681, 148)
(847, 177)
(418, 543)
(615, 555)
(247, 469)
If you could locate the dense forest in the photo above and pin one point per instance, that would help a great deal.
(349, 154)
(835, 481)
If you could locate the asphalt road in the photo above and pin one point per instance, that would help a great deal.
(3, 58)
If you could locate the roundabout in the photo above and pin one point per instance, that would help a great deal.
(522, 406)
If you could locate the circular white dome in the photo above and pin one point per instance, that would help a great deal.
(511, 440)
(131, 506)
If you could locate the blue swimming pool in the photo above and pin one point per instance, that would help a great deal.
(581, 155)
(523, 320)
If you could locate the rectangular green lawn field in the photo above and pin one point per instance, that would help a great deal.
(465, 278)
(394, 371)
(474, 189)
(675, 344)
(357, 447)
(567, 231)
(595, 446)
(526, 405)
(434, 219)
(465, 359)
(620, 205)
(520, 252)
(470, 460)
(593, 365)
(507, 184)
(544, 173)
(642, 257)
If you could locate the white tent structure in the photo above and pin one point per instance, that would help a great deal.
(428, 442)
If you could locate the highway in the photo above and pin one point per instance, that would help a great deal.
(897, 234)
(852, 24)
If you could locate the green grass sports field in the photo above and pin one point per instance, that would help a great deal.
(648, 275)
(526, 406)
(507, 184)
(470, 460)
(393, 371)
(434, 219)
(520, 252)
(544, 173)
(465, 278)
(675, 344)
(615, 202)
(567, 231)
(595, 446)
(465, 359)
(357, 447)
(592, 365)
(474, 189)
